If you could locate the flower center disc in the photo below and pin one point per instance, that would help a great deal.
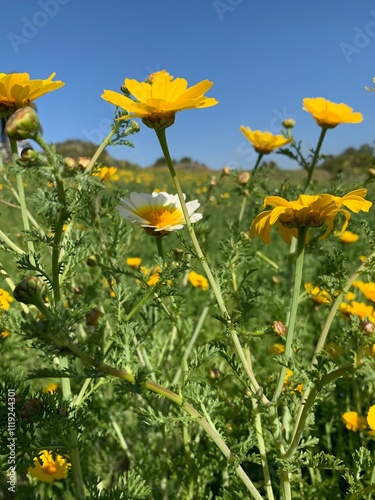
(161, 216)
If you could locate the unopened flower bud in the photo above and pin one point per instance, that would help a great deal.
(23, 124)
(279, 328)
(289, 123)
(93, 317)
(135, 126)
(178, 254)
(32, 410)
(371, 171)
(29, 290)
(243, 178)
(368, 327)
(78, 290)
(215, 373)
(93, 260)
(226, 171)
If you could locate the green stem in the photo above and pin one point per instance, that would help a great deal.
(260, 156)
(214, 285)
(315, 158)
(165, 393)
(159, 244)
(294, 306)
(324, 333)
(308, 403)
(22, 200)
(72, 438)
(100, 149)
(244, 200)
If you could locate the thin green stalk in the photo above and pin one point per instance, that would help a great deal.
(191, 344)
(308, 403)
(166, 393)
(159, 244)
(294, 306)
(10, 243)
(315, 158)
(324, 333)
(260, 439)
(22, 199)
(73, 440)
(100, 149)
(244, 200)
(214, 285)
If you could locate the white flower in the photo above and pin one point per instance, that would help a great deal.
(158, 213)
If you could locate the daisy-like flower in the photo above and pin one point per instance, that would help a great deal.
(159, 98)
(264, 142)
(106, 173)
(307, 211)
(158, 213)
(328, 114)
(5, 299)
(47, 469)
(360, 309)
(197, 280)
(371, 417)
(18, 91)
(317, 294)
(51, 388)
(353, 421)
(368, 289)
(134, 262)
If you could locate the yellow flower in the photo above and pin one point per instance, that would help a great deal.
(368, 289)
(371, 417)
(264, 142)
(158, 213)
(17, 90)
(49, 469)
(159, 98)
(360, 309)
(152, 275)
(328, 114)
(306, 211)
(197, 280)
(4, 334)
(353, 421)
(317, 294)
(277, 349)
(51, 388)
(288, 376)
(348, 237)
(5, 299)
(134, 262)
(106, 173)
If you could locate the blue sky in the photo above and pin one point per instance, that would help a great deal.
(263, 57)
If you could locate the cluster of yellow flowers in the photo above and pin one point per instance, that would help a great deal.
(357, 423)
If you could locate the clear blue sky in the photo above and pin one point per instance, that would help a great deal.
(263, 57)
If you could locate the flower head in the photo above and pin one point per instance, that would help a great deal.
(307, 211)
(159, 98)
(371, 417)
(158, 213)
(197, 280)
(368, 289)
(317, 294)
(106, 173)
(264, 142)
(47, 469)
(51, 388)
(17, 90)
(134, 262)
(5, 299)
(353, 421)
(328, 114)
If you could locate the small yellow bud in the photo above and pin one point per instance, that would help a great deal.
(243, 178)
(289, 123)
